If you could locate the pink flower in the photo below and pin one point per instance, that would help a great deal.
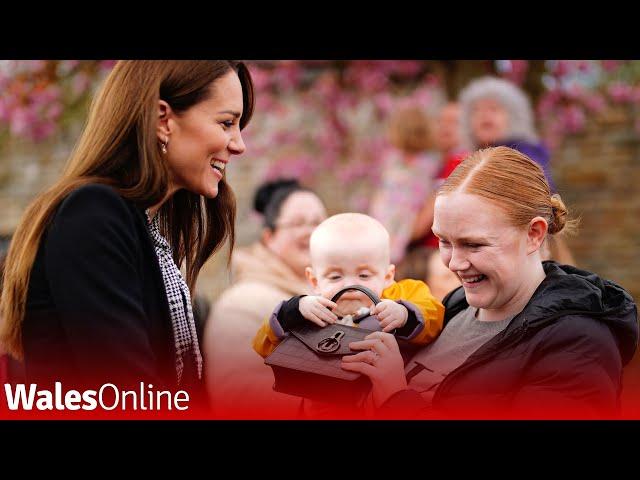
(326, 85)
(65, 67)
(45, 96)
(107, 64)
(575, 91)
(343, 175)
(384, 102)
(423, 96)
(21, 122)
(574, 118)
(42, 131)
(261, 78)
(553, 132)
(562, 67)
(5, 81)
(265, 102)
(548, 101)
(287, 75)
(404, 102)
(327, 141)
(30, 66)
(53, 112)
(407, 68)
(610, 65)
(80, 83)
(5, 111)
(360, 203)
(516, 71)
(620, 92)
(328, 159)
(595, 102)
(344, 100)
(583, 65)
(432, 80)
(365, 77)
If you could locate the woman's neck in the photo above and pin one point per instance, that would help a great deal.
(153, 210)
(532, 279)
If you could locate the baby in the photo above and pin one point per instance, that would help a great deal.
(353, 249)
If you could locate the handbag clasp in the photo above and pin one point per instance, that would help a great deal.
(332, 343)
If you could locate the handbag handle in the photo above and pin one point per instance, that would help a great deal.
(374, 298)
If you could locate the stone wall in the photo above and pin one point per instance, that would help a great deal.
(597, 174)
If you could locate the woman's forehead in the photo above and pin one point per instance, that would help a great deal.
(301, 203)
(225, 96)
(487, 102)
(463, 202)
(467, 215)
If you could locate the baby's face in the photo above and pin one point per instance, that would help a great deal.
(336, 268)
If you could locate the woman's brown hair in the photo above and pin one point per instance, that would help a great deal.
(119, 148)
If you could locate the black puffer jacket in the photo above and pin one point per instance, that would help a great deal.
(561, 357)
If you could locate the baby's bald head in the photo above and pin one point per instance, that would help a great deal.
(348, 234)
(350, 249)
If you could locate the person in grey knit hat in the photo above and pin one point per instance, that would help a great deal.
(497, 112)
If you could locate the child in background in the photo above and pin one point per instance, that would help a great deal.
(409, 170)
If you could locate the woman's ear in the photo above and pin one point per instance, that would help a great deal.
(266, 235)
(536, 234)
(165, 114)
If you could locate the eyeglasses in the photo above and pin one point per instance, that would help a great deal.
(298, 225)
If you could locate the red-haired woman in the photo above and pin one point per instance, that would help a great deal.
(522, 337)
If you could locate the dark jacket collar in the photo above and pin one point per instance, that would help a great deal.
(569, 290)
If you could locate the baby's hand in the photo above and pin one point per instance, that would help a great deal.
(316, 310)
(391, 314)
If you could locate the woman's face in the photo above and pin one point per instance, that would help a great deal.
(203, 138)
(299, 215)
(487, 253)
(489, 122)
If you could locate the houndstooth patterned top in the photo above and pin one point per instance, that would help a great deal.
(184, 327)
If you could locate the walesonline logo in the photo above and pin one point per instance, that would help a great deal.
(108, 397)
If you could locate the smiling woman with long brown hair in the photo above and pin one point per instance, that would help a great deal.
(93, 289)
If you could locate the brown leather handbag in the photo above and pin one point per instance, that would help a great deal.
(307, 362)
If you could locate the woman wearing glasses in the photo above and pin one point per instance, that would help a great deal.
(263, 274)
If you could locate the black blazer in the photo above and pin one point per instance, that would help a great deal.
(97, 310)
